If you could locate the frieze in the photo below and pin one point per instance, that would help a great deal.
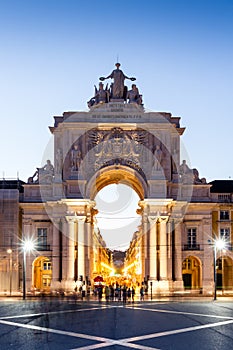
(116, 116)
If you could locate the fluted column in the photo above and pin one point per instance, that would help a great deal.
(178, 253)
(163, 247)
(81, 246)
(153, 247)
(55, 257)
(70, 248)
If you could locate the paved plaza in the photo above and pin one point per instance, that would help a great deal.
(66, 324)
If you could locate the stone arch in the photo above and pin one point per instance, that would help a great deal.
(116, 174)
(42, 273)
(191, 272)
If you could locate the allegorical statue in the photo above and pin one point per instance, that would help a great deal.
(76, 157)
(101, 96)
(133, 95)
(118, 88)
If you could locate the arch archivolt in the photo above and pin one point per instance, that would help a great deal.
(116, 174)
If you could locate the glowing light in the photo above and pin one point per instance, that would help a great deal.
(129, 266)
(220, 244)
(28, 245)
(107, 266)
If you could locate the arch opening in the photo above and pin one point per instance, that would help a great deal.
(117, 222)
(191, 273)
(42, 273)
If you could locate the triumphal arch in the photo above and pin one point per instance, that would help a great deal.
(115, 141)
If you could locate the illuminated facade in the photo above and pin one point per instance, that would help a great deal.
(116, 141)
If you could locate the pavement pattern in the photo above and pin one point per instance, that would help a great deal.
(63, 324)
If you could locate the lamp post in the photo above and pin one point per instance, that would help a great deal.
(9, 251)
(28, 246)
(218, 245)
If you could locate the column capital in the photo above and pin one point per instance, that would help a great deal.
(70, 219)
(75, 218)
(80, 218)
(163, 219)
(152, 219)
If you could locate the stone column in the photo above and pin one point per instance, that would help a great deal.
(81, 246)
(88, 243)
(153, 247)
(163, 247)
(55, 256)
(64, 250)
(70, 248)
(144, 256)
(178, 283)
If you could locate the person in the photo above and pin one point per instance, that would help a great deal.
(107, 293)
(133, 294)
(100, 293)
(129, 293)
(111, 293)
(141, 293)
(133, 95)
(124, 294)
(118, 82)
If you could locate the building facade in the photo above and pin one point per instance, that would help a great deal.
(116, 141)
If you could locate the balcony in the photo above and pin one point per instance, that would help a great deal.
(191, 247)
(43, 247)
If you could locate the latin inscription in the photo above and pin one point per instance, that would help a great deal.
(125, 116)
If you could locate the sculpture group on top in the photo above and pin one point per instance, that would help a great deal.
(117, 91)
(188, 175)
(43, 175)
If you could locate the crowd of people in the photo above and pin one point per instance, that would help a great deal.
(119, 293)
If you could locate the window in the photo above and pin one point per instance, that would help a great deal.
(192, 237)
(224, 215)
(225, 234)
(47, 265)
(42, 237)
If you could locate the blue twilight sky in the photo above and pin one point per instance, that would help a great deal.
(53, 52)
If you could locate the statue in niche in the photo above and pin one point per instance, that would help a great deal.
(157, 158)
(118, 90)
(133, 95)
(76, 157)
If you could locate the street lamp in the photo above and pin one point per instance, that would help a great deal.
(219, 244)
(9, 251)
(28, 246)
